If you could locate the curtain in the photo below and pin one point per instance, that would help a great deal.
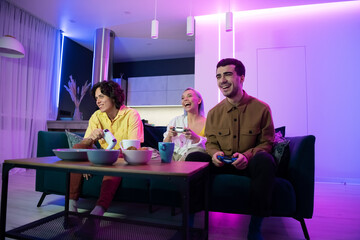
(28, 86)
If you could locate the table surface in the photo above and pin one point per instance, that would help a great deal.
(154, 166)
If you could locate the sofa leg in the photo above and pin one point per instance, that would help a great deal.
(41, 199)
(150, 208)
(304, 228)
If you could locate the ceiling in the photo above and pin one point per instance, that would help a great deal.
(131, 22)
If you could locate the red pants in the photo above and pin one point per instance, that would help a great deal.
(108, 188)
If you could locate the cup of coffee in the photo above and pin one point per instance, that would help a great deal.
(166, 150)
(126, 143)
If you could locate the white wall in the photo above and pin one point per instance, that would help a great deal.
(303, 61)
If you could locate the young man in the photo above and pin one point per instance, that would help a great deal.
(241, 127)
(124, 123)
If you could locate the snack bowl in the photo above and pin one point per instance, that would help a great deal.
(70, 154)
(103, 156)
(137, 157)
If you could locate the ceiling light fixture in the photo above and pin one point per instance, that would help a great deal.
(11, 47)
(229, 20)
(155, 25)
(190, 22)
(190, 26)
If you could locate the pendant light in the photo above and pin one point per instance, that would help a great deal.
(155, 25)
(10, 47)
(229, 20)
(190, 26)
(190, 22)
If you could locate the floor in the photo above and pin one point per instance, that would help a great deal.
(336, 213)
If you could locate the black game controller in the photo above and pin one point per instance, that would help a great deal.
(179, 129)
(226, 159)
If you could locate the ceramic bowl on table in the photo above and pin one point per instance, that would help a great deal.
(102, 156)
(137, 157)
(70, 154)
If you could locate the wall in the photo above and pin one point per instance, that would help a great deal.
(303, 61)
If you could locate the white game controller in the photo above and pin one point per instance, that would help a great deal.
(110, 139)
(179, 129)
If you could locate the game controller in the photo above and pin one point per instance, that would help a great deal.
(226, 159)
(179, 129)
(110, 139)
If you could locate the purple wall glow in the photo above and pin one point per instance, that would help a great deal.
(303, 61)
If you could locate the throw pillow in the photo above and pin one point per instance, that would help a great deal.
(73, 138)
(280, 129)
(281, 154)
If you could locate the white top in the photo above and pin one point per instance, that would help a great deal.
(183, 144)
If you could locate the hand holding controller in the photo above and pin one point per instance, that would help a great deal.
(226, 159)
(110, 139)
(179, 129)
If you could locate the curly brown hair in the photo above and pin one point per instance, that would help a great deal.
(112, 90)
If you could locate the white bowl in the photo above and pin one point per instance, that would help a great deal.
(102, 156)
(136, 157)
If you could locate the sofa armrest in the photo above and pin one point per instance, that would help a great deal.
(47, 141)
(301, 173)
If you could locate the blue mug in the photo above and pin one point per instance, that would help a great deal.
(166, 150)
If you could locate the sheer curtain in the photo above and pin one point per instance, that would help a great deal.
(28, 86)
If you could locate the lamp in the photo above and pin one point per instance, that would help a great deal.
(190, 26)
(229, 19)
(11, 47)
(190, 22)
(154, 29)
(155, 25)
(229, 22)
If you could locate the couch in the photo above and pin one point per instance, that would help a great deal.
(293, 192)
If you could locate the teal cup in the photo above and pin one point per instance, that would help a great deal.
(166, 150)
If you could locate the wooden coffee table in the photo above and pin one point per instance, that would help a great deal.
(181, 174)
